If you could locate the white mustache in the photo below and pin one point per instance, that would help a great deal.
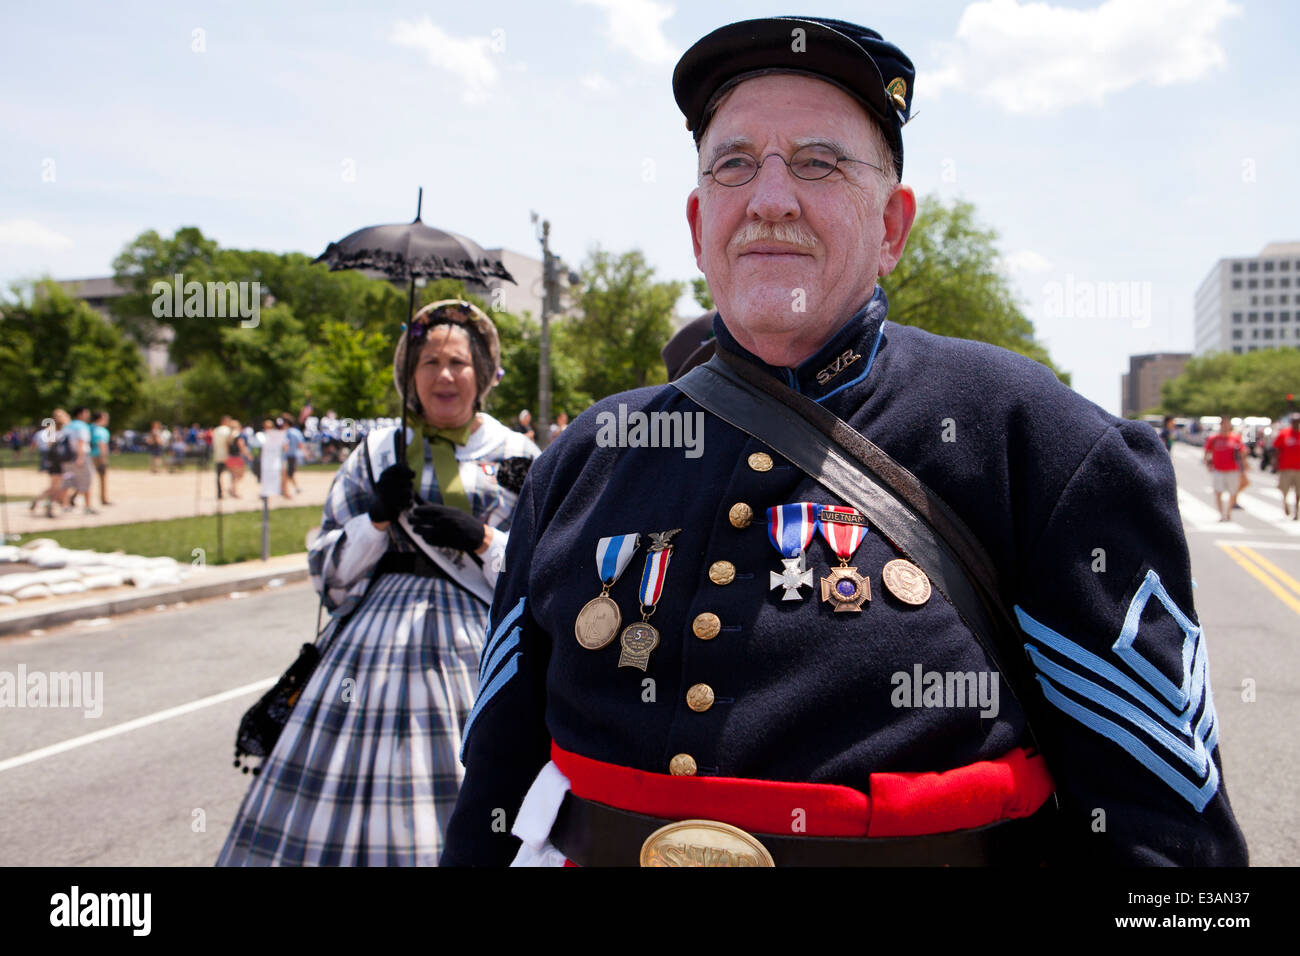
(792, 234)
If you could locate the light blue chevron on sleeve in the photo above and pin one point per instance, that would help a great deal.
(1161, 728)
(489, 649)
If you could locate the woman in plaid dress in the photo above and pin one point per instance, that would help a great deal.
(366, 771)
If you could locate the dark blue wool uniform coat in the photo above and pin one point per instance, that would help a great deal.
(1077, 508)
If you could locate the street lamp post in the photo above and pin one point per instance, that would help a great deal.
(542, 423)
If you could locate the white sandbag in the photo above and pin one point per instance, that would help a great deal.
(9, 553)
(111, 579)
(67, 587)
(37, 543)
(56, 576)
(160, 563)
(33, 591)
(7, 599)
(47, 558)
(13, 583)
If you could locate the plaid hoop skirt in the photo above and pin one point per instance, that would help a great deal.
(367, 771)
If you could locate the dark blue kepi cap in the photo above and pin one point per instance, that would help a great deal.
(855, 58)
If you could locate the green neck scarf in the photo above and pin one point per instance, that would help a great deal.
(441, 442)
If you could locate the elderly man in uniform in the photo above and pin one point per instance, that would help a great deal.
(815, 654)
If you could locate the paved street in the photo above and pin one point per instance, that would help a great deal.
(132, 797)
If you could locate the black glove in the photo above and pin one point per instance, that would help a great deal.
(393, 493)
(445, 527)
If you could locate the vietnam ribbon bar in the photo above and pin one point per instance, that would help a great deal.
(843, 528)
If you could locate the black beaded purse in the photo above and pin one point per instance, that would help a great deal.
(263, 723)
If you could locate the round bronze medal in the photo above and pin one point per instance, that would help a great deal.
(906, 581)
(597, 623)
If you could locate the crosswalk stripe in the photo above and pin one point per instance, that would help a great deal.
(1271, 515)
(1201, 517)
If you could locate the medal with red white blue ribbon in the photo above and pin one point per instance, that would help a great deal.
(639, 639)
(843, 528)
(790, 528)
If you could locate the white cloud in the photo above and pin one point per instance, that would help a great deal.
(597, 83)
(467, 58)
(636, 26)
(1037, 58)
(1023, 261)
(27, 232)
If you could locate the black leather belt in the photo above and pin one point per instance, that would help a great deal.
(594, 834)
(408, 562)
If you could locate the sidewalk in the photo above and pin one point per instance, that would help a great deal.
(141, 496)
(205, 582)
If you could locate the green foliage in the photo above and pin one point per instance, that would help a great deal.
(57, 351)
(1255, 383)
(700, 291)
(626, 319)
(352, 369)
(162, 399)
(948, 283)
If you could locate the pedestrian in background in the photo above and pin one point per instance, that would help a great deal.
(157, 443)
(236, 456)
(1168, 432)
(78, 472)
(221, 448)
(293, 442)
(99, 449)
(1287, 444)
(55, 448)
(1225, 458)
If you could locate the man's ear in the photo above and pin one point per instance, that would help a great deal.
(693, 218)
(899, 214)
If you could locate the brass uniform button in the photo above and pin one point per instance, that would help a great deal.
(699, 698)
(760, 461)
(683, 765)
(706, 626)
(741, 515)
(722, 572)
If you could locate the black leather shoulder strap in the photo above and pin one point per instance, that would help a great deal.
(907, 513)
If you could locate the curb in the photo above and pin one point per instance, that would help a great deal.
(171, 594)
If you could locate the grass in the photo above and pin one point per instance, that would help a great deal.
(178, 537)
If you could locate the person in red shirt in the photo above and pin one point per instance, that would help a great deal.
(1287, 444)
(1224, 456)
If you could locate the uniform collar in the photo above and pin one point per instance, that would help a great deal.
(844, 360)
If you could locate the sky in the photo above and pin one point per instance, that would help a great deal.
(1118, 149)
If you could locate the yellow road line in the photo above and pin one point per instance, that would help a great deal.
(1278, 591)
(1272, 569)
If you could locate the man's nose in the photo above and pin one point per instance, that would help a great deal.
(772, 194)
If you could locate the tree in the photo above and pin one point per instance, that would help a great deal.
(626, 318)
(1255, 383)
(57, 351)
(700, 291)
(948, 283)
(352, 371)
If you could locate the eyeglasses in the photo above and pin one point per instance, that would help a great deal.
(808, 163)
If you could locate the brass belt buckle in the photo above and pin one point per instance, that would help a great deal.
(703, 843)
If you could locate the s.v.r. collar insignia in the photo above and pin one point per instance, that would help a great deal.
(839, 365)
